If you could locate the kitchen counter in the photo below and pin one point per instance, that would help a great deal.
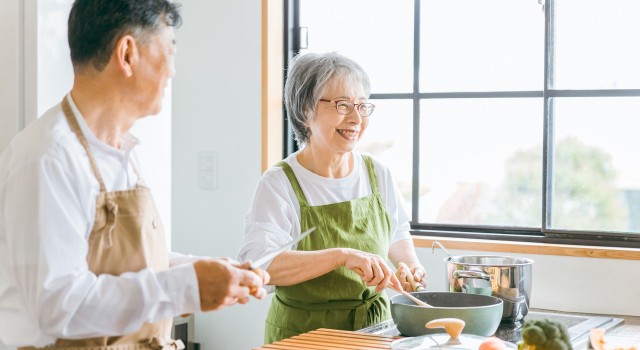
(621, 330)
(381, 336)
(624, 334)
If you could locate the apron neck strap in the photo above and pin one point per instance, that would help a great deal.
(294, 183)
(75, 127)
(373, 179)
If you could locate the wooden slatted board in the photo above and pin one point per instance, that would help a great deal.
(332, 339)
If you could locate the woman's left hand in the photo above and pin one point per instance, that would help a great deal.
(412, 277)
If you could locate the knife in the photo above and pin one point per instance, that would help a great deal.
(270, 256)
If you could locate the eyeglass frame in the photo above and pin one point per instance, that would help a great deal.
(353, 106)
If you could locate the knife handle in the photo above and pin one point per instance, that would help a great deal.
(258, 271)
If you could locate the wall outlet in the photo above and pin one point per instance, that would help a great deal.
(208, 170)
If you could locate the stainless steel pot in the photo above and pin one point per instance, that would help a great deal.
(504, 277)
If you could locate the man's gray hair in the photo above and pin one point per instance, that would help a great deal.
(308, 78)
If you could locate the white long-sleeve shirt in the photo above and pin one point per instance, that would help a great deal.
(47, 208)
(274, 216)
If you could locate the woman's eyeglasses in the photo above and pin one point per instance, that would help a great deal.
(345, 107)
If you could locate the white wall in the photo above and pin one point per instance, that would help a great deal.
(10, 71)
(11, 85)
(216, 108)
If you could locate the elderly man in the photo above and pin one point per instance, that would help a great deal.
(83, 259)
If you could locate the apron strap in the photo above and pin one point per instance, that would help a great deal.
(302, 199)
(75, 127)
(373, 179)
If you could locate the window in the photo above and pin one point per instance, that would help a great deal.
(498, 118)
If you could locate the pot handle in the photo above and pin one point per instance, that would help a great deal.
(471, 274)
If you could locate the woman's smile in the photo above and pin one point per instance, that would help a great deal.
(349, 134)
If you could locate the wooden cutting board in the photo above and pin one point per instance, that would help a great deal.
(332, 339)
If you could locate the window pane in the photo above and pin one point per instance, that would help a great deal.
(481, 45)
(596, 167)
(389, 138)
(378, 34)
(596, 44)
(481, 162)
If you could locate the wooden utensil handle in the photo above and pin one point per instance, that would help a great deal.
(415, 285)
(408, 295)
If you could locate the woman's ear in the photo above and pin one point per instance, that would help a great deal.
(126, 54)
(308, 114)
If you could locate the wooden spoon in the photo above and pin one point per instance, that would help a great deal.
(408, 295)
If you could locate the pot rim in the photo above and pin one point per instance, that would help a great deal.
(526, 261)
(496, 301)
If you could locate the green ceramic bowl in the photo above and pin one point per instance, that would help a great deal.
(481, 313)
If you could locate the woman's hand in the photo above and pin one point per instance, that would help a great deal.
(412, 277)
(371, 268)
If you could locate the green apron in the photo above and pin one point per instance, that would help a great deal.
(338, 299)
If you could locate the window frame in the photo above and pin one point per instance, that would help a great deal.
(544, 235)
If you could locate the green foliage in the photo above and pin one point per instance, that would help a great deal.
(584, 195)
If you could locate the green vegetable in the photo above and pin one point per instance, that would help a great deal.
(544, 335)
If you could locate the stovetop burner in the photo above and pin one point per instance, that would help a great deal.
(578, 326)
(510, 331)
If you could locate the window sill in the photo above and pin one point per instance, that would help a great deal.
(529, 248)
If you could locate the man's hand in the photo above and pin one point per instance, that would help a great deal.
(221, 284)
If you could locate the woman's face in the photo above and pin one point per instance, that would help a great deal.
(332, 131)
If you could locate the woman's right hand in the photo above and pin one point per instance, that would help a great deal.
(411, 278)
(371, 268)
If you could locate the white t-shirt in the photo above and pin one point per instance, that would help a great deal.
(48, 201)
(274, 216)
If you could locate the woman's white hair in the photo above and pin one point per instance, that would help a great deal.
(308, 78)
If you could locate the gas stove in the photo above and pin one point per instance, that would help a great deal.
(578, 326)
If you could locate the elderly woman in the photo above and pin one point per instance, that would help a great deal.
(336, 276)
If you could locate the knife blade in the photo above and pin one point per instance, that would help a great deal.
(270, 256)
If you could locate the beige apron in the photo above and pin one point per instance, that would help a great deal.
(127, 236)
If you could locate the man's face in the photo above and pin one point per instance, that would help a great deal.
(154, 70)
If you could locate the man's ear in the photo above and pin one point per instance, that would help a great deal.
(126, 54)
